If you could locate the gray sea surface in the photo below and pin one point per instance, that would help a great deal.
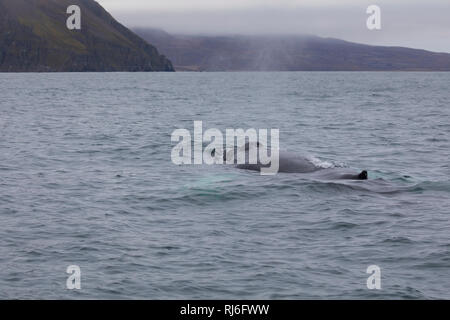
(86, 179)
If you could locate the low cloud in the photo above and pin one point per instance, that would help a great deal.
(414, 24)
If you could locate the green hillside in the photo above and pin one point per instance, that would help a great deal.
(34, 38)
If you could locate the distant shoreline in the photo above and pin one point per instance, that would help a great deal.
(237, 71)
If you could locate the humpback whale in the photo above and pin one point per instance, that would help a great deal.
(293, 163)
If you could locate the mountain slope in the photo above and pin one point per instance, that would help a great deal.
(288, 53)
(34, 37)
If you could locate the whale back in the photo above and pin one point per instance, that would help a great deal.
(290, 162)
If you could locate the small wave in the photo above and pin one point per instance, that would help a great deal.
(343, 225)
(344, 186)
(398, 240)
(440, 186)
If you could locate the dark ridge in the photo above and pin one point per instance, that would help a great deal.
(288, 53)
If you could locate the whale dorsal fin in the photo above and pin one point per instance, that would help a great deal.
(363, 175)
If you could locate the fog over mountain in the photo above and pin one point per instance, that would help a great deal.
(248, 35)
(287, 53)
(408, 23)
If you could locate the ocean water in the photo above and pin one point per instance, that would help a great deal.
(86, 179)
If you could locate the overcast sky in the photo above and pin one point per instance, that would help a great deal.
(421, 24)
